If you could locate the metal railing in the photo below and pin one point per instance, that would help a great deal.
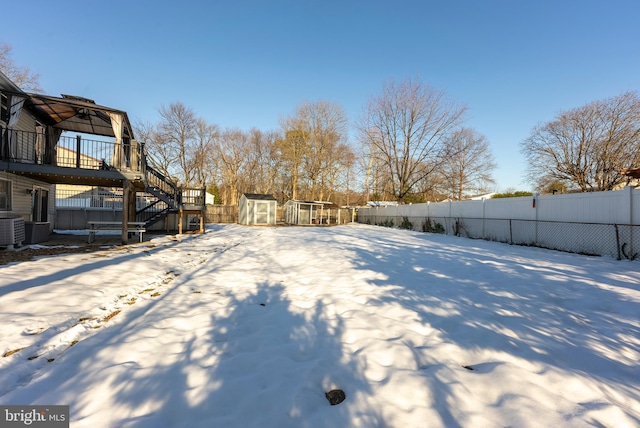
(158, 183)
(98, 198)
(70, 151)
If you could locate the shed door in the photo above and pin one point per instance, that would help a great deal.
(304, 214)
(249, 214)
(262, 212)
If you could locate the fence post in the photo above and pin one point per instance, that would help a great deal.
(483, 219)
(450, 211)
(630, 199)
(535, 207)
(510, 232)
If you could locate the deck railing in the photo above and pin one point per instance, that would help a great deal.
(192, 196)
(70, 151)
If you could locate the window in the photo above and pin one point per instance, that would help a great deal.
(5, 195)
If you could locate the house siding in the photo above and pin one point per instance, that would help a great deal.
(21, 187)
(21, 201)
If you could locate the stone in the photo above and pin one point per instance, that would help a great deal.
(335, 396)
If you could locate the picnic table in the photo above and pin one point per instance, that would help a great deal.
(134, 227)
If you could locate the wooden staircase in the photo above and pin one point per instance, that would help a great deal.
(168, 198)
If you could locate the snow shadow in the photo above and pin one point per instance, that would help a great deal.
(63, 273)
(259, 362)
(555, 310)
(256, 361)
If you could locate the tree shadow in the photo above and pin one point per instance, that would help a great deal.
(229, 371)
(218, 357)
(550, 309)
(65, 273)
(257, 362)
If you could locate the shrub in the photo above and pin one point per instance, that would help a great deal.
(432, 227)
(406, 224)
(387, 223)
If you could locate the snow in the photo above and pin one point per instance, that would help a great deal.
(250, 326)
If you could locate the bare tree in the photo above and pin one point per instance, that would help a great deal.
(408, 125)
(180, 145)
(324, 124)
(202, 158)
(161, 156)
(23, 77)
(232, 152)
(262, 164)
(178, 129)
(290, 151)
(468, 169)
(336, 176)
(312, 135)
(377, 181)
(585, 148)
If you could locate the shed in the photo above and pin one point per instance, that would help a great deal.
(257, 209)
(310, 212)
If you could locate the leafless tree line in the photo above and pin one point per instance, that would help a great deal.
(412, 148)
(307, 159)
(411, 145)
(415, 147)
(586, 148)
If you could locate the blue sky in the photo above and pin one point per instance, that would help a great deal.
(246, 64)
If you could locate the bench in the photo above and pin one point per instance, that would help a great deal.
(114, 226)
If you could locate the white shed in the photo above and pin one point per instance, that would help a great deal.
(257, 209)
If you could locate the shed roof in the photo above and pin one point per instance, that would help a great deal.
(259, 196)
(315, 203)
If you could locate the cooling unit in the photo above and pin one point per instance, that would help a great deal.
(11, 232)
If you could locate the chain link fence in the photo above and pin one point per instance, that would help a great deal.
(621, 241)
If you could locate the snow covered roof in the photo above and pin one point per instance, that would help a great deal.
(382, 203)
(481, 197)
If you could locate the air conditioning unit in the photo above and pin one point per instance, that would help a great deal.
(11, 232)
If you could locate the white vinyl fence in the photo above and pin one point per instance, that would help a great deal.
(598, 223)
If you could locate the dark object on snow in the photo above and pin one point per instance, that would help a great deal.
(335, 396)
(262, 304)
(467, 367)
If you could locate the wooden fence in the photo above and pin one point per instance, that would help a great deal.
(222, 214)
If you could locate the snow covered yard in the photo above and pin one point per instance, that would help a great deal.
(249, 327)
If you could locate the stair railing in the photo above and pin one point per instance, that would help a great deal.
(158, 182)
